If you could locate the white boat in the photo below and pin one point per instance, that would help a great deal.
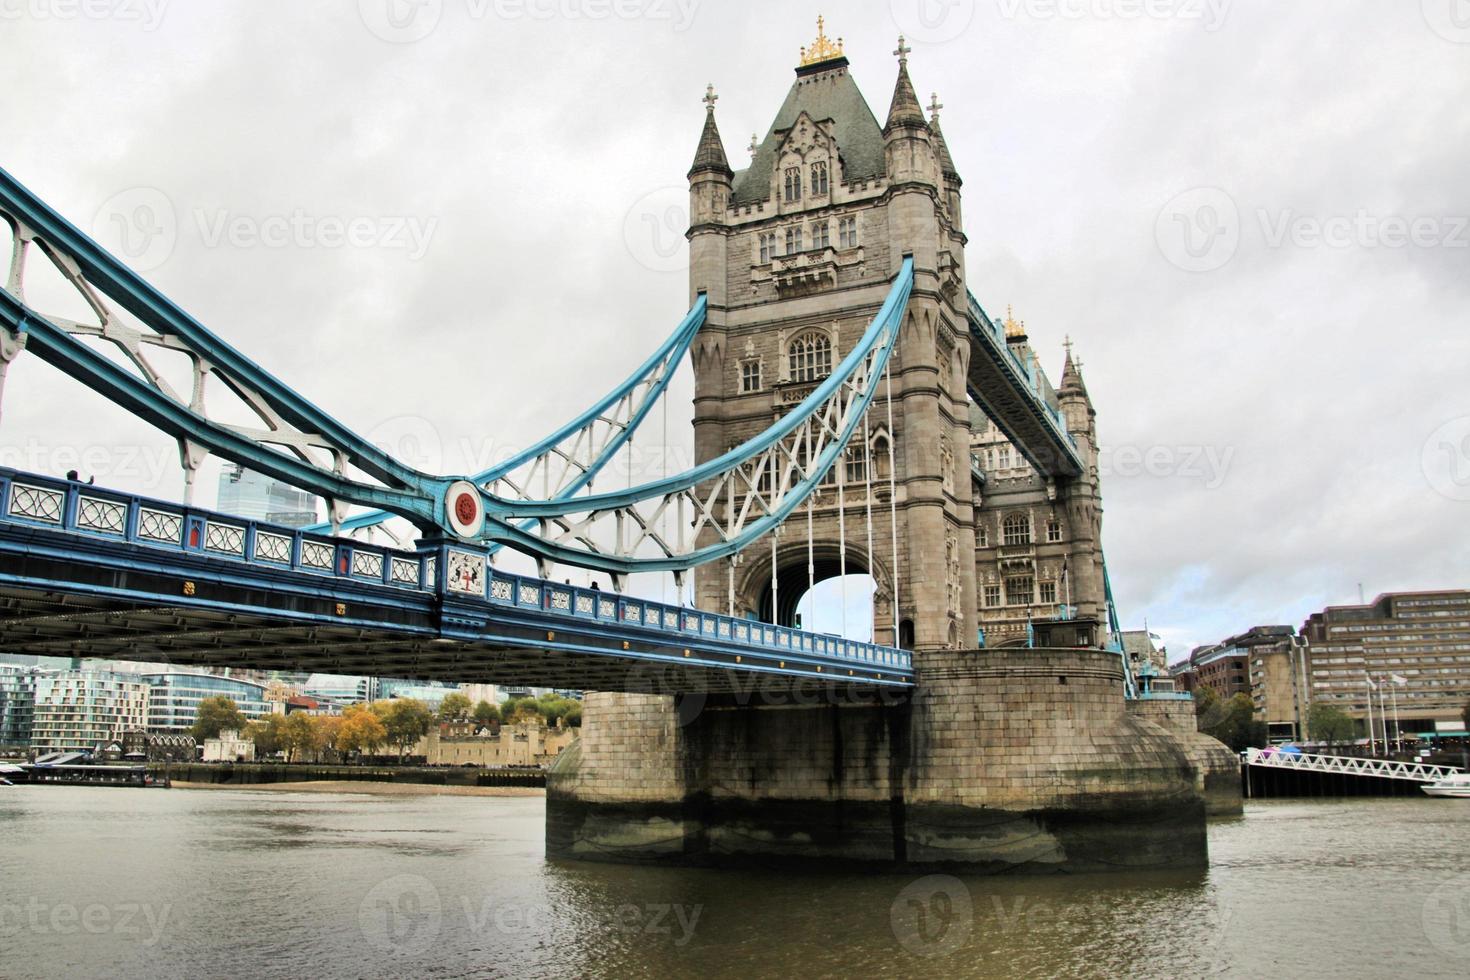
(1457, 784)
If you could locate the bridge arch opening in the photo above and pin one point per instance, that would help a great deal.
(814, 599)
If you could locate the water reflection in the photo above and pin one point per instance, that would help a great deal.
(241, 883)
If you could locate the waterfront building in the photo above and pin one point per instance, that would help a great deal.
(245, 493)
(77, 710)
(229, 747)
(528, 743)
(1220, 667)
(1278, 678)
(173, 698)
(17, 707)
(340, 688)
(1409, 650)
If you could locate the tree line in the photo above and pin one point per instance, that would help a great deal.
(364, 729)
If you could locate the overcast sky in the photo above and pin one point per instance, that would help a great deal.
(1250, 217)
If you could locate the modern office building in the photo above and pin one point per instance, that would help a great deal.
(246, 493)
(17, 707)
(81, 709)
(173, 698)
(1407, 651)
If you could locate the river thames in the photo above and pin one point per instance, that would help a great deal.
(232, 883)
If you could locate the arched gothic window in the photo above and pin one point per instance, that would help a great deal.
(793, 183)
(819, 178)
(810, 357)
(1016, 529)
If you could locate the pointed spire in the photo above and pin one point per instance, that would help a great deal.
(710, 156)
(946, 162)
(904, 110)
(1072, 374)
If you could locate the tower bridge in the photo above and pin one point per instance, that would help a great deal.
(841, 365)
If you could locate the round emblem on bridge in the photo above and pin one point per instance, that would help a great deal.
(466, 515)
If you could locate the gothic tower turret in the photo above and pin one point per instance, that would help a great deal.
(1082, 497)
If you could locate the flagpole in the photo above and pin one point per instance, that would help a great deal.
(1371, 733)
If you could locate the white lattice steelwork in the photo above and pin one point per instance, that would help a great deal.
(1381, 768)
(37, 503)
(105, 516)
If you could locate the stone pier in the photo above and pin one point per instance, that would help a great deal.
(1000, 760)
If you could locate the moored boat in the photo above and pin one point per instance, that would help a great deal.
(1455, 785)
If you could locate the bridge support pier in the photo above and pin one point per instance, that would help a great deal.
(999, 760)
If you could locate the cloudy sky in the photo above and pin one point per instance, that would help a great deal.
(1249, 215)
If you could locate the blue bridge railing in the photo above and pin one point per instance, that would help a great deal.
(109, 515)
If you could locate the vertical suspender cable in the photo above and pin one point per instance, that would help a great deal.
(842, 532)
(868, 504)
(892, 483)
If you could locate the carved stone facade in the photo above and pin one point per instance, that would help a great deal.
(796, 253)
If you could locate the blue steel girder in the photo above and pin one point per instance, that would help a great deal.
(1010, 394)
(294, 434)
(737, 497)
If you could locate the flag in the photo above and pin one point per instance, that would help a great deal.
(1398, 679)
(1369, 680)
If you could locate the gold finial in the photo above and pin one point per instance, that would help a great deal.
(822, 49)
(710, 98)
(1014, 328)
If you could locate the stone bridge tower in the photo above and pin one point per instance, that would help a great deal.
(796, 253)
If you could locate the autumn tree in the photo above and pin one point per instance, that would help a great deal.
(361, 731)
(487, 714)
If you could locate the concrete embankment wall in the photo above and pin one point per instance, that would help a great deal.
(249, 773)
(1001, 760)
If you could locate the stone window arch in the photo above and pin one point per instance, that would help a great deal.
(819, 178)
(1016, 529)
(810, 357)
(793, 183)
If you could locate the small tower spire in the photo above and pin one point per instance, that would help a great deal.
(904, 110)
(710, 155)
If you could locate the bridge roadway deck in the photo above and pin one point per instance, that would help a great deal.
(86, 572)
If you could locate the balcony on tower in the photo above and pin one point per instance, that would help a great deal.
(812, 268)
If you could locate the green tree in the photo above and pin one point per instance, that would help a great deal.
(406, 720)
(1329, 723)
(216, 714)
(300, 736)
(573, 716)
(517, 710)
(269, 735)
(454, 707)
(1232, 722)
(487, 713)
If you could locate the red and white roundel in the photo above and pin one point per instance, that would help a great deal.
(462, 503)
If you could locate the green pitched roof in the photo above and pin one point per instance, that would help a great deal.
(823, 95)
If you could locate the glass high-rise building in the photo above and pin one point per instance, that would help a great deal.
(245, 493)
(17, 707)
(173, 698)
